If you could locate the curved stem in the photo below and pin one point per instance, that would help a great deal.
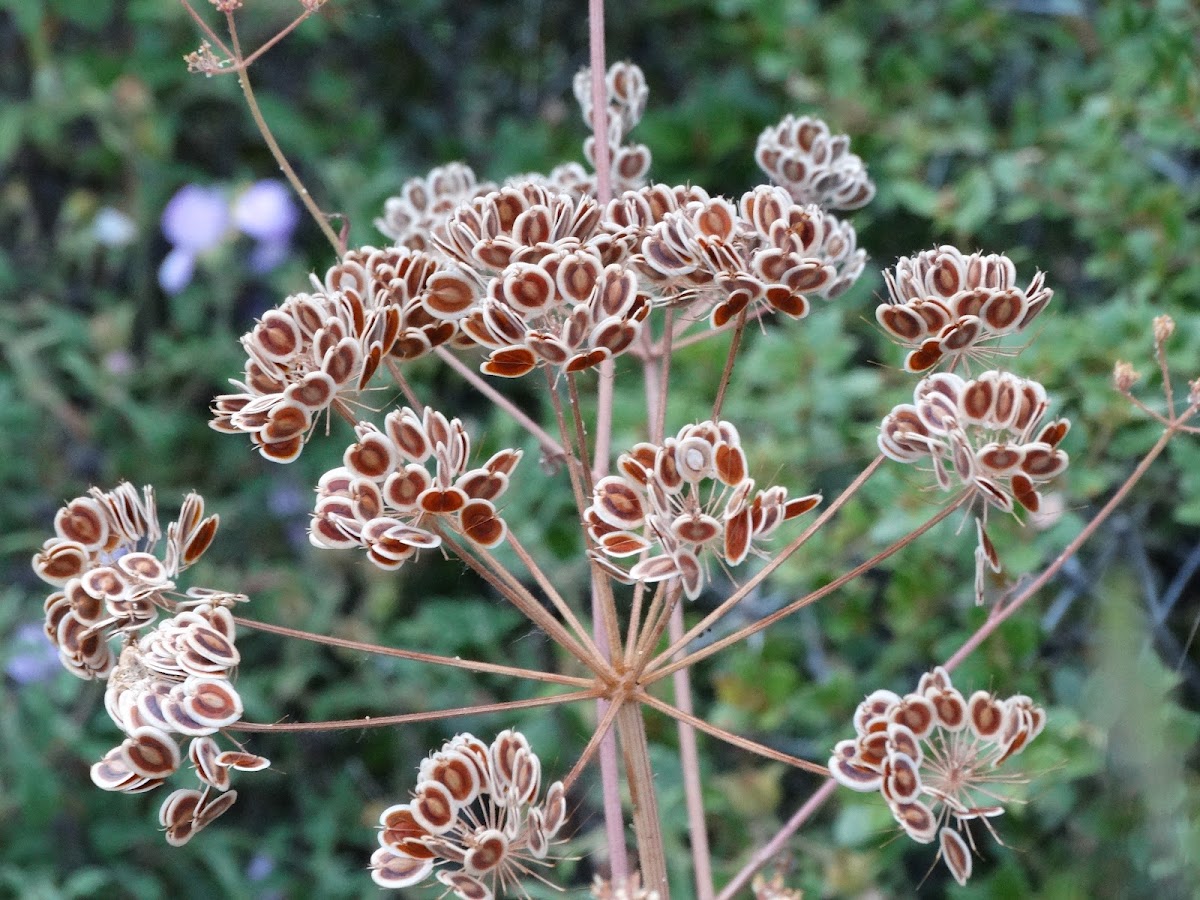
(608, 715)
(407, 718)
(453, 662)
(276, 151)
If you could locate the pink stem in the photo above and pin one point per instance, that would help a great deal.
(772, 847)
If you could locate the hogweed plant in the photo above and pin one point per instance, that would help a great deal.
(570, 280)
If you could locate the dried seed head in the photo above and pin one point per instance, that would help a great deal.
(1125, 376)
(476, 813)
(944, 305)
(1164, 327)
(934, 756)
(815, 166)
(684, 498)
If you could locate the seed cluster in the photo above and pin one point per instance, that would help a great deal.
(933, 755)
(477, 813)
(690, 493)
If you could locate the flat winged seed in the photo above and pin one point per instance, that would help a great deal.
(1043, 462)
(950, 707)
(242, 761)
(617, 504)
(212, 702)
(113, 772)
(489, 851)
(449, 295)
(464, 886)
(213, 646)
(655, 568)
(83, 521)
(481, 524)
(901, 779)
(986, 715)
(620, 544)
(203, 752)
(695, 528)
(957, 855)
(211, 808)
(925, 357)
(901, 322)
(374, 456)
(179, 806)
(402, 832)
(849, 771)
(434, 807)
(510, 363)
(392, 870)
(917, 820)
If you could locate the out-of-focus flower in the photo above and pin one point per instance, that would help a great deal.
(476, 811)
(945, 305)
(32, 659)
(199, 219)
(690, 494)
(934, 756)
(266, 212)
(112, 228)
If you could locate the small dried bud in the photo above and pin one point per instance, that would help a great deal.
(774, 889)
(1125, 376)
(1164, 327)
(1194, 392)
(312, 5)
(203, 60)
(227, 6)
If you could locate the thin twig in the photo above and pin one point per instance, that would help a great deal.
(550, 447)
(730, 358)
(453, 662)
(767, 621)
(406, 718)
(994, 621)
(689, 764)
(772, 847)
(276, 151)
(603, 727)
(405, 388)
(758, 577)
(730, 738)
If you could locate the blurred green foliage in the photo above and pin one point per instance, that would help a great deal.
(1065, 133)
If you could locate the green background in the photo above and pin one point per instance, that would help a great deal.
(1066, 134)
